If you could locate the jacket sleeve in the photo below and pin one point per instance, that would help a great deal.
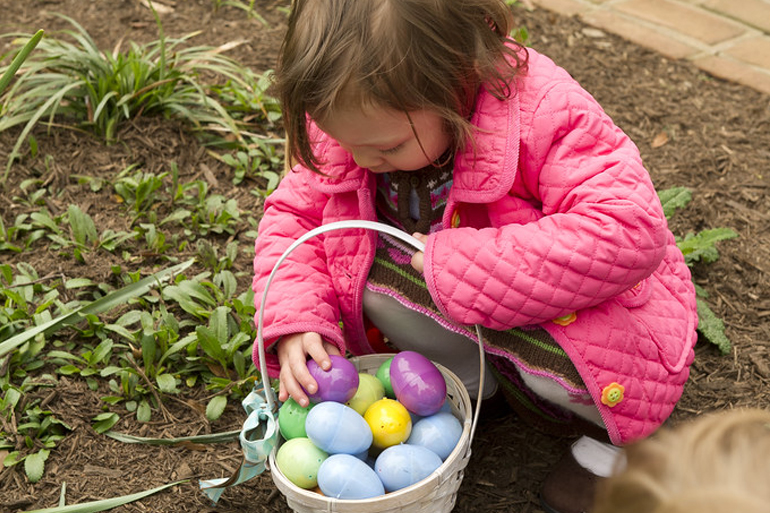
(300, 297)
(601, 232)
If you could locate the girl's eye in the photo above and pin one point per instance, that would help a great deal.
(390, 151)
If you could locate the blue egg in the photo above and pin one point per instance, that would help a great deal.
(439, 433)
(447, 407)
(344, 476)
(336, 428)
(403, 465)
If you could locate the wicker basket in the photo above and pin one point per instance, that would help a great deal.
(436, 493)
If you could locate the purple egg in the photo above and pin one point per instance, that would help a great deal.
(338, 384)
(417, 383)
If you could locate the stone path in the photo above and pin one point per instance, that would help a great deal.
(729, 39)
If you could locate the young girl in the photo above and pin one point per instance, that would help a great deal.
(540, 222)
(717, 463)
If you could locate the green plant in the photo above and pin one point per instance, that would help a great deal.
(699, 247)
(78, 83)
(111, 300)
(208, 214)
(247, 7)
(36, 434)
(17, 61)
(104, 504)
(87, 364)
(138, 190)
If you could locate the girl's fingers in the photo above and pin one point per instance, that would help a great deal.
(283, 394)
(331, 349)
(293, 384)
(319, 354)
(295, 379)
(418, 257)
(417, 261)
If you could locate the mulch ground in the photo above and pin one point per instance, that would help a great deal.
(693, 130)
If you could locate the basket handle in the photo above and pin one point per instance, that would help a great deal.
(341, 225)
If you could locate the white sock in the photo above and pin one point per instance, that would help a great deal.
(597, 457)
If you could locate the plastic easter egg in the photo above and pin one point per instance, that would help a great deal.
(346, 477)
(337, 428)
(338, 384)
(404, 465)
(417, 383)
(291, 419)
(299, 460)
(383, 374)
(370, 389)
(439, 433)
(389, 422)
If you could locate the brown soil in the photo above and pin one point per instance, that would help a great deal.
(693, 131)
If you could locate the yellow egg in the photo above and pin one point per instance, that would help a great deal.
(389, 421)
(370, 389)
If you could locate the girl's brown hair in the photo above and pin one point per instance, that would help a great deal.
(405, 55)
(719, 463)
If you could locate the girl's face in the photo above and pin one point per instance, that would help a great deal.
(382, 139)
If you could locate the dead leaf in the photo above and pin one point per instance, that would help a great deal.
(209, 175)
(229, 46)
(660, 140)
(183, 471)
(593, 33)
(159, 8)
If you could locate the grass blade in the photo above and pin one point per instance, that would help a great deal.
(100, 305)
(106, 504)
(19, 59)
(53, 101)
(214, 438)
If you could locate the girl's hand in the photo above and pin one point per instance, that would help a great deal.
(417, 258)
(293, 351)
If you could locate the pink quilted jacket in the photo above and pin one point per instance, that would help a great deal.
(553, 220)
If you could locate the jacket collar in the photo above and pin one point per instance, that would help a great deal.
(486, 173)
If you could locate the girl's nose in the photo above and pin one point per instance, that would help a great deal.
(366, 159)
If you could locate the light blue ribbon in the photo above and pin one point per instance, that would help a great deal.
(258, 438)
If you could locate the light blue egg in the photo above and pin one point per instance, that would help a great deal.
(344, 476)
(403, 465)
(338, 429)
(440, 433)
(446, 407)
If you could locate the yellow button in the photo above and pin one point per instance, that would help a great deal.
(565, 320)
(612, 394)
